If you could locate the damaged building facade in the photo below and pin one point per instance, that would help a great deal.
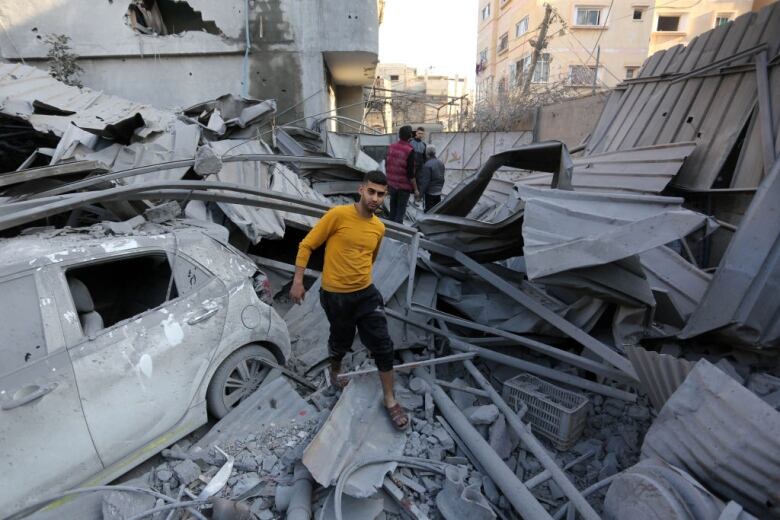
(311, 56)
(584, 332)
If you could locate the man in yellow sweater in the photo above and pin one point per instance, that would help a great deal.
(352, 235)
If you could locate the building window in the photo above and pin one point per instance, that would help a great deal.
(722, 19)
(631, 72)
(668, 24)
(485, 12)
(502, 86)
(393, 77)
(521, 28)
(503, 43)
(582, 75)
(638, 14)
(542, 70)
(588, 16)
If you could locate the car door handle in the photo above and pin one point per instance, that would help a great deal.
(203, 317)
(38, 393)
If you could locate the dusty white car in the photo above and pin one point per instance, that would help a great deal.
(114, 347)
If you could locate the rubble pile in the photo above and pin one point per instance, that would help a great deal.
(595, 338)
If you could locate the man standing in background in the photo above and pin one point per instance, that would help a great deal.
(430, 180)
(418, 143)
(399, 166)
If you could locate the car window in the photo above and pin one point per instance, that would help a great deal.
(105, 293)
(188, 275)
(21, 327)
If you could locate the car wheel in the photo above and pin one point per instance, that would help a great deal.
(237, 377)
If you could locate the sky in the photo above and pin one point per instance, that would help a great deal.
(441, 34)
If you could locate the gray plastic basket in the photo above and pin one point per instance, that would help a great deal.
(556, 413)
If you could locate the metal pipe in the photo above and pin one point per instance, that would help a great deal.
(585, 492)
(414, 364)
(513, 489)
(574, 332)
(556, 353)
(765, 112)
(533, 368)
(534, 446)
(300, 503)
(467, 389)
(545, 475)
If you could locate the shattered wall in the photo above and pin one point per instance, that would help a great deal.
(178, 52)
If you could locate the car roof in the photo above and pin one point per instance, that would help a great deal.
(44, 246)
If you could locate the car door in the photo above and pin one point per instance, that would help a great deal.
(137, 377)
(45, 445)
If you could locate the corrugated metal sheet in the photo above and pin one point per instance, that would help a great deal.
(639, 170)
(259, 223)
(711, 108)
(359, 428)
(256, 412)
(565, 230)
(659, 374)
(21, 85)
(742, 300)
(683, 282)
(463, 153)
(723, 435)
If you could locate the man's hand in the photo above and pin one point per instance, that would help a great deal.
(417, 195)
(297, 292)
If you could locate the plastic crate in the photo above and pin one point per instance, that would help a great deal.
(556, 413)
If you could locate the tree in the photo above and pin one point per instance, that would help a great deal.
(63, 64)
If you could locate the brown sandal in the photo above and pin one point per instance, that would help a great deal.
(397, 415)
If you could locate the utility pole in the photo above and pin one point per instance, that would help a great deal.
(596, 72)
(541, 43)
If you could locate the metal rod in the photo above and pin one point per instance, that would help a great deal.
(467, 389)
(413, 364)
(513, 489)
(510, 361)
(413, 250)
(545, 475)
(765, 111)
(186, 163)
(562, 324)
(560, 354)
(533, 444)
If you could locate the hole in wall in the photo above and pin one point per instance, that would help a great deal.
(689, 120)
(165, 17)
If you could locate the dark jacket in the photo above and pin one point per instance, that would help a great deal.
(419, 153)
(430, 180)
(399, 166)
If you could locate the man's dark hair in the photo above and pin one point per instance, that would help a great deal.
(376, 177)
(420, 129)
(405, 132)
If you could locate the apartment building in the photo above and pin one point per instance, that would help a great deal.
(590, 44)
(420, 98)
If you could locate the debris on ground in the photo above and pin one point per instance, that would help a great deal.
(597, 341)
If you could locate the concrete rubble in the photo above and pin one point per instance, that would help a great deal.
(654, 338)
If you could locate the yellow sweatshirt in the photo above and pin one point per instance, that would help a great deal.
(351, 245)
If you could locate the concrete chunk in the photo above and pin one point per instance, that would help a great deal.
(186, 471)
(457, 501)
(477, 415)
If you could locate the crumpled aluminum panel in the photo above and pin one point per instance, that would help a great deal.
(565, 230)
(21, 85)
(742, 299)
(358, 429)
(723, 435)
(659, 374)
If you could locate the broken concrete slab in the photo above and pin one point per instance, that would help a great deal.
(358, 428)
(186, 471)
